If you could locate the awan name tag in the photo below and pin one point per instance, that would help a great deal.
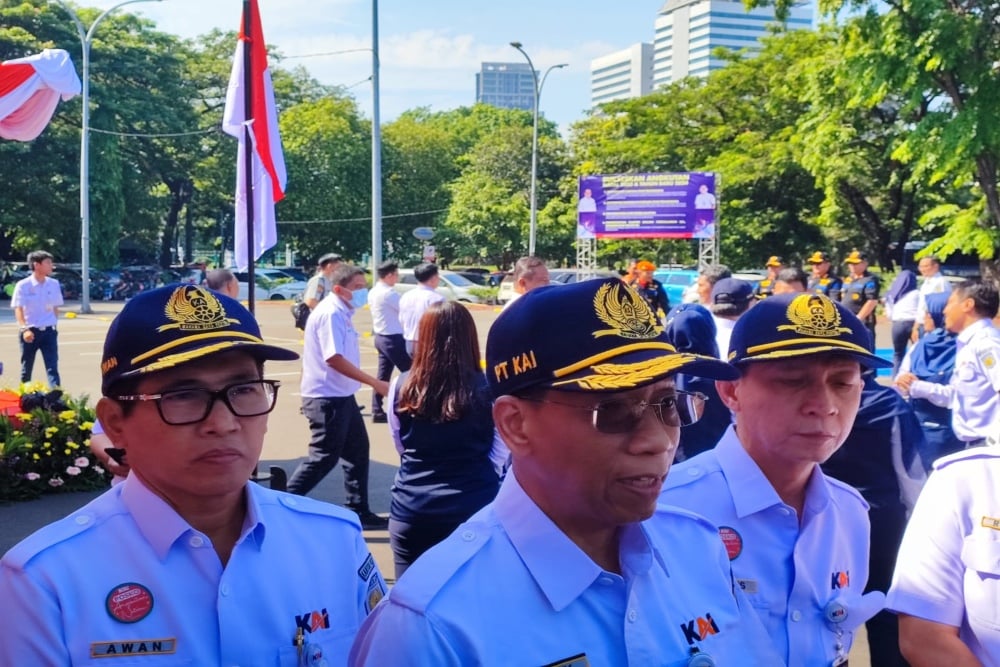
(133, 647)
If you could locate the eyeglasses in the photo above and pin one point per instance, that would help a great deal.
(190, 406)
(681, 408)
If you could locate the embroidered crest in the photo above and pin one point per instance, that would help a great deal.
(626, 376)
(814, 315)
(194, 308)
(628, 315)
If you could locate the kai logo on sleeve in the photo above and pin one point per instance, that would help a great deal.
(699, 629)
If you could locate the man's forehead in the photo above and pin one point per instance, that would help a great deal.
(831, 361)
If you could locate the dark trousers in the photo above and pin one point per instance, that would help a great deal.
(47, 342)
(887, 526)
(900, 339)
(410, 540)
(337, 433)
(391, 353)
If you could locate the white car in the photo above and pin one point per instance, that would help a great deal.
(452, 286)
(272, 284)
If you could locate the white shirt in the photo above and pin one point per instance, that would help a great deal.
(384, 304)
(793, 571)
(412, 306)
(972, 391)
(948, 568)
(723, 332)
(931, 285)
(329, 332)
(39, 300)
(906, 309)
(508, 587)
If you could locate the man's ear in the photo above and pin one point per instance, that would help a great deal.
(112, 418)
(509, 415)
(727, 393)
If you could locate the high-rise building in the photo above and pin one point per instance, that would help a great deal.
(687, 31)
(506, 85)
(622, 74)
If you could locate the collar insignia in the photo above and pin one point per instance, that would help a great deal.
(194, 308)
(814, 315)
(628, 315)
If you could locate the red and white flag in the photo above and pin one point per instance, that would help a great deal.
(268, 177)
(30, 89)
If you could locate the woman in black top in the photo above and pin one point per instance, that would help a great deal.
(442, 423)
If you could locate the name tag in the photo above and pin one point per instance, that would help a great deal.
(133, 647)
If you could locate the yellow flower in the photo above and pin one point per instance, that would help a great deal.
(51, 431)
(72, 445)
(35, 457)
(46, 444)
(27, 446)
(67, 415)
(48, 453)
(67, 451)
(87, 425)
(23, 416)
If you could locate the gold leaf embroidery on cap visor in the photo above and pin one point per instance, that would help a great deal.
(622, 309)
(193, 308)
(628, 376)
(814, 315)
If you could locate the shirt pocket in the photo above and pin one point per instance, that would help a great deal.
(333, 647)
(981, 558)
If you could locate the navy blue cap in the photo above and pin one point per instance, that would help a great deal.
(799, 325)
(592, 335)
(172, 325)
(732, 291)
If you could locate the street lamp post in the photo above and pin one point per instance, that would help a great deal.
(85, 38)
(533, 225)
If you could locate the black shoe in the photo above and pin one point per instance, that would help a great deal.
(380, 418)
(372, 521)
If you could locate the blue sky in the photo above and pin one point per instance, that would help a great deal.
(430, 49)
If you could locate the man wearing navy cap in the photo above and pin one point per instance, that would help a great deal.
(574, 563)
(861, 290)
(797, 539)
(731, 297)
(822, 280)
(186, 561)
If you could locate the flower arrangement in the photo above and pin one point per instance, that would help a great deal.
(45, 449)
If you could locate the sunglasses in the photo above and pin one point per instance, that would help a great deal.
(681, 408)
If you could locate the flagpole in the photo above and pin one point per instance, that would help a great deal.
(248, 147)
(376, 150)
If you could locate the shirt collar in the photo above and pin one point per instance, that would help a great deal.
(559, 567)
(971, 330)
(162, 526)
(751, 490)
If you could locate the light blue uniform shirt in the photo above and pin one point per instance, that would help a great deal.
(794, 572)
(972, 392)
(39, 300)
(127, 575)
(509, 588)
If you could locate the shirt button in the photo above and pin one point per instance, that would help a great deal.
(224, 589)
(196, 541)
(785, 511)
(796, 615)
(606, 581)
(468, 535)
(632, 615)
(82, 520)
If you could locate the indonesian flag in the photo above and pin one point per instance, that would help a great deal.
(30, 89)
(268, 177)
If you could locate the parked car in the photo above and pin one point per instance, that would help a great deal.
(276, 284)
(568, 276)
(453, 286)
(474, 277)
(675, 281)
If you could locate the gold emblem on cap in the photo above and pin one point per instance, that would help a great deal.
(194, 308)
(814, 315)
(627, 376)
(622, 309)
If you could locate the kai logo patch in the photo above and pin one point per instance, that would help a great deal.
(194, 308)
(698, 629)
(990, 522)
(313, 621)
(133, 647)
(628, 315)
(840, 580)
(814, 315)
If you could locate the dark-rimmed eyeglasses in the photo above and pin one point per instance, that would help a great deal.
(178, 407)
(681, 408)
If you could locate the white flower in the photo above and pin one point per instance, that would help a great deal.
(99, 470)
(82, 462)
(72, 470)
(56, 481)
(32, 476)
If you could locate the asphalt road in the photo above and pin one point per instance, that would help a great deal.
(81, 340)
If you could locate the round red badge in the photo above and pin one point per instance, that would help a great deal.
(732, 540)
(129, 603)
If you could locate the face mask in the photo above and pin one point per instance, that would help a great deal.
(359, 297)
